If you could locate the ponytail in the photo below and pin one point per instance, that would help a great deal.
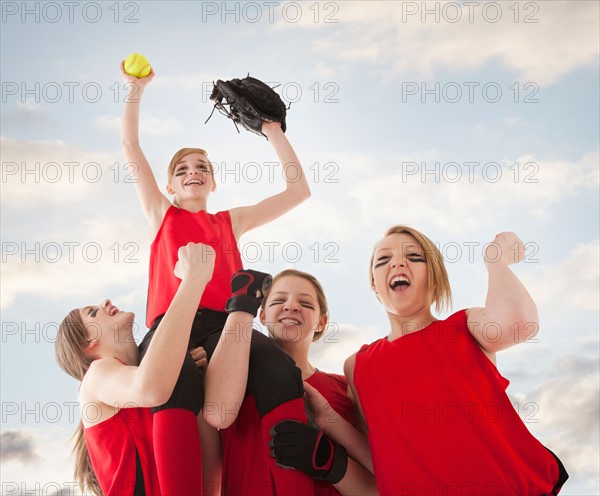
(70, 345)
(84, 473)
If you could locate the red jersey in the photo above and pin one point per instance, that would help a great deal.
(246, 473)
(180, 227)
(440, 421)
(334, 388)
(114, 446)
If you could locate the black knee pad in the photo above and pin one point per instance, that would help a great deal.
(188, 392)
(273, 378)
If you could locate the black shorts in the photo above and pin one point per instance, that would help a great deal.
(273, 378)
(189, 388)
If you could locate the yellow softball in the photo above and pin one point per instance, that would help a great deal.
(137, 65)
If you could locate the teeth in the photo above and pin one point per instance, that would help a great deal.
(399, 280)
(194, 182)
(289, 322)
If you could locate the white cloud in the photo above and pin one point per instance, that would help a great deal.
(568, 418)
(317, 219)
(512, 121)
(52, 469)
(193, 82)
(339, 341)
(323, 71)
(108, 123)
(401, 38)
(574, 283)
(100, 253)
(379, 191)
(470, 193)
(30, 115)
(150, 125)
(555, 180)
(92, 246)
(29, 105)
(51, 172)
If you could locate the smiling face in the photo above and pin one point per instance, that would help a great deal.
(400, 275)
(191, 177)
(291, 310)
(107, 326)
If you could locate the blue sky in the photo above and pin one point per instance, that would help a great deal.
(462, 120)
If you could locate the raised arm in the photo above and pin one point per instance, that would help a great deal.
(153, 381)
(153, 202)
(510, 315)
(243, 219)
(227, 373)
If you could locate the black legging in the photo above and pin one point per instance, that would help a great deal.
(273, 378)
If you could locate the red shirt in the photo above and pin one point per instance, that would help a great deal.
(246, 473)
(112, 446)
(180, 227)
(440, 421)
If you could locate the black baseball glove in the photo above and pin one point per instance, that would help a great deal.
(248, 288)
(300, 446)
(248, 102)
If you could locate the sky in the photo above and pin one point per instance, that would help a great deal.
(461, 119)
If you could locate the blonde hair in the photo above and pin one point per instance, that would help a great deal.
(438, 283)
(70, 345)
(321, 299)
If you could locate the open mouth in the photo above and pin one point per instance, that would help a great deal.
(194, 181)
(399, 283)
(113, 311)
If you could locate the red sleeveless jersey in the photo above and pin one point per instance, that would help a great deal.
(246, 473)
(440, 421)
(180, 227)
(113, 445)
(334, 388)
